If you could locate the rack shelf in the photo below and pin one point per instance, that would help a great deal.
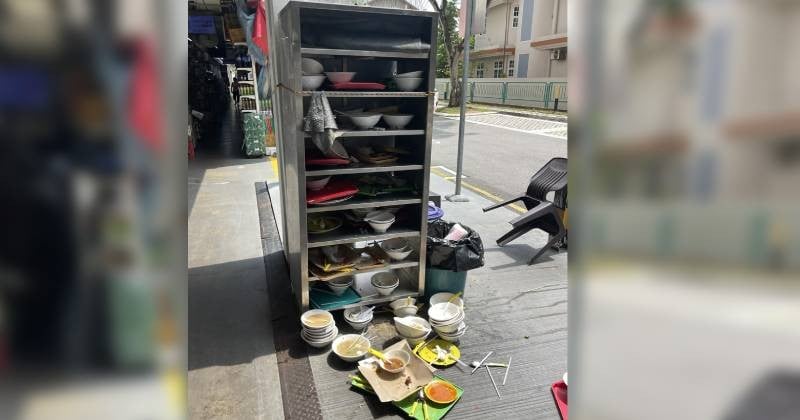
(363, 53)
(291, 104)
(390, 266)
(376, 133)
(363, 169)
(361, 203)
(368, 94)
(335, 238)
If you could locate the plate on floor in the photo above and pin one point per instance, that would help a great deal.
(427, 352)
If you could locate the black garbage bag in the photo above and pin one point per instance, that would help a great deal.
(462, 255)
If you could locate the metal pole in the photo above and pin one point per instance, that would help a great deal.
(457, 197)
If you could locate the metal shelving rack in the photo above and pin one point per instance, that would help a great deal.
(290, 104)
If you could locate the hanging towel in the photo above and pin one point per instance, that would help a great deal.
(321, 123)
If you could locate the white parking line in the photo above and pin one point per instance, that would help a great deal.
(520, 124)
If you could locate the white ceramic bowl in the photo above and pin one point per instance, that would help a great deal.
(340, 76)
(459, 330)
(445, 297)
(316, 184)
(339, 286)
(410, 74)
(359, 344)
(450, 338)
(316, 319)
(380, 220)
(319, 343)
(405, 311)
(312, 67)
(319, 333)
(385, 282)
(397, 121)
(395, 244)
(443, 312)
(454, 321)
(312, 82)
(358, 324)
(408, 84)
(413, 341)
(399, 354)
(397, 255)
(406, 301)
(408, 331)
(448, 329)
(365, 120)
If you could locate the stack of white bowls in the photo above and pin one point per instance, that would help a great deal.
(319, 329)
(358, 317)
(413, 328)
(407, 82)
(447, 319)
(406, 306)
(385, 282)
(312, 74)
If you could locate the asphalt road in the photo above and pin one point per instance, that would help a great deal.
(496, 160)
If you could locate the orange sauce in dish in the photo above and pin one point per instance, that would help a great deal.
(440, 392)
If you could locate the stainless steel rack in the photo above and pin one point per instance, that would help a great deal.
(290, 103)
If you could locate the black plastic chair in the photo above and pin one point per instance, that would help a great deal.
(542, 214)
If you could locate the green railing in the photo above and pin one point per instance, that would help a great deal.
(534, 94)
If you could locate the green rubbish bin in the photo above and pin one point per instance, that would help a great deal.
(437, 280)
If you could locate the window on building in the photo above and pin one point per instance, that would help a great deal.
(510, 68)
(479, 70)
(498, 69)
(515, 20)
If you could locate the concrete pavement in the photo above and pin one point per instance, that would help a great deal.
(497, 160)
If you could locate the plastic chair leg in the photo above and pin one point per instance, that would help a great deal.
(546, 247)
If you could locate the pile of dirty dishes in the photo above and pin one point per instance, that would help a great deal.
(413, 328)
(385, 282)
(319, 329)
(404, 307)
(408, 82)
(397, 249)
(312, 74)
(447, 319)
(358, 317)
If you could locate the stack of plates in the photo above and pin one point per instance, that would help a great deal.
(319, 329)
(447, 319)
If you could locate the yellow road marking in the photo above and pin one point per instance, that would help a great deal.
(478, 190)
(273, 161)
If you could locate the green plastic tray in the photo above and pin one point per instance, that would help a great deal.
(435, 411)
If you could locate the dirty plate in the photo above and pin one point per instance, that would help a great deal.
(324, 224)
(427, 352)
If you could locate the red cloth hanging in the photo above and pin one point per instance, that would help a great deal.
(260, 29)
(144, 106)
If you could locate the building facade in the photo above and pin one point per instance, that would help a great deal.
(523, 39)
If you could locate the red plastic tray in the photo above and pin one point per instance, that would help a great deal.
(322, 161)
(337, 188)
(358, 86)
(559, 390)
